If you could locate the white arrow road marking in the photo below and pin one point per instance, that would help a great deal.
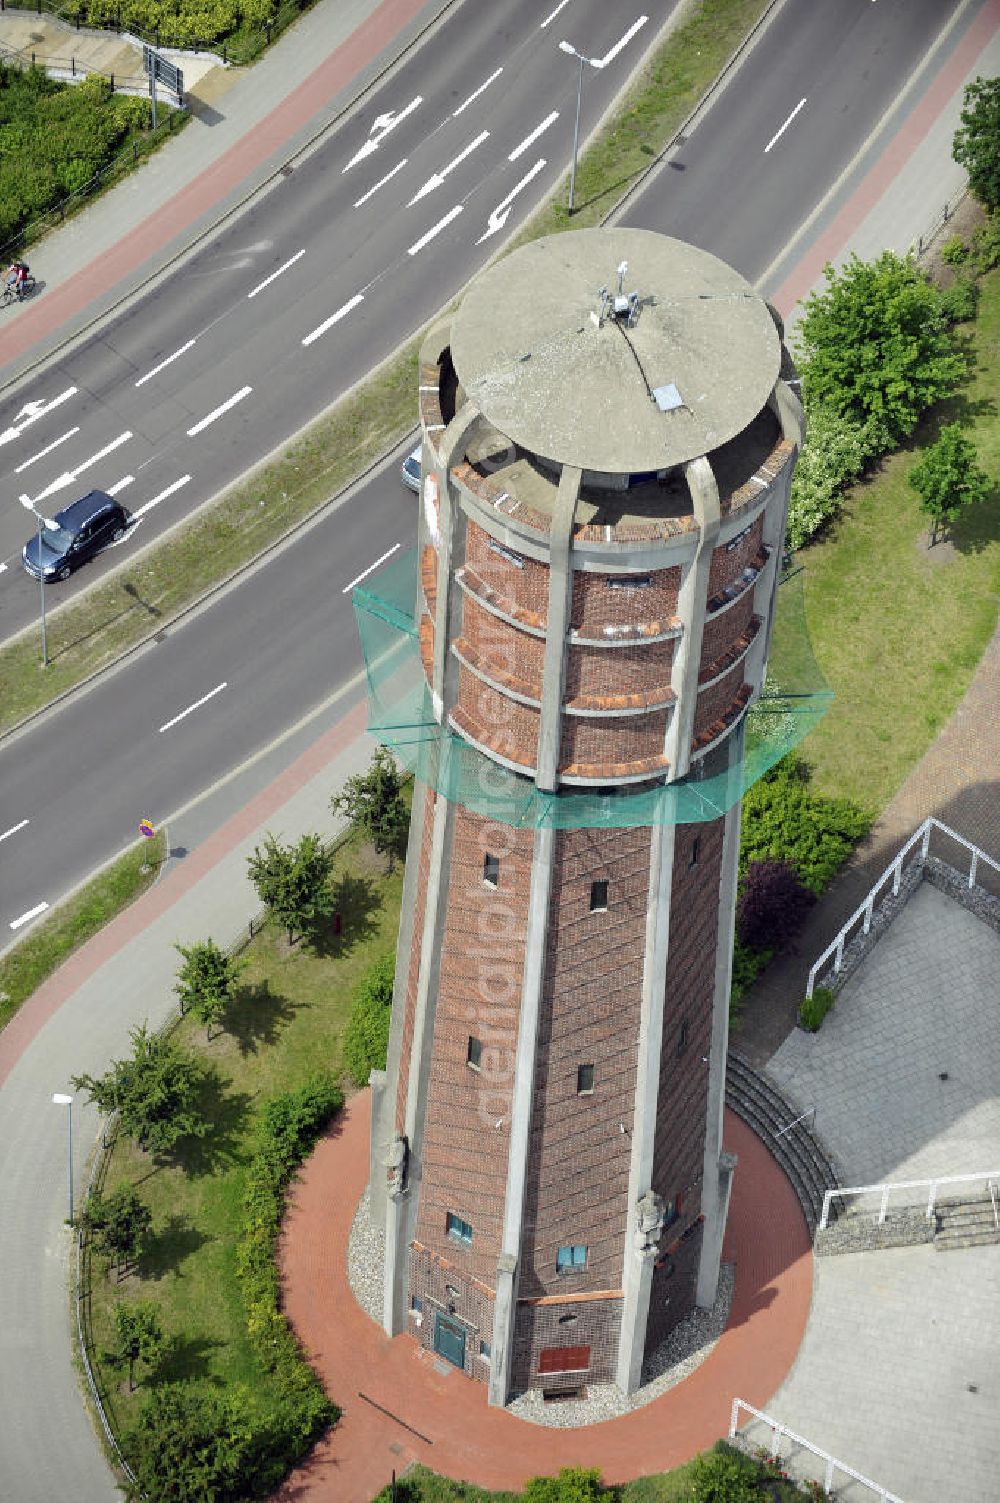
(68, 476)
(380, 184)
(27, 917)
(425, 239)
(779, 133)
(476, 93)
(142, 510)
(13, 829)
(498, 218)
(275, 274)
(334, 318)
(196, 706)
(552, 14)
(244, 391)
(383, 125)
(164, 363)
(32, 411)
(529, 140)
(602, 62)
(363, 575)
(437, 178)
(47, 450)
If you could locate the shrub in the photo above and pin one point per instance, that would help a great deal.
(366, 1037)
(976, 146)
(772, 905)
(836, 450)
(954, 251)
(812, 1010)
(960, 301)
(724, 1476)
(574, 1484)
(986, 244)
(785, 820)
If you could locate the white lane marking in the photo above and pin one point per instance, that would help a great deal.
(196, 706)
(334, 318)
(476, 93)
(27, 917)
(13, 829)
(365, 572)
(380, 129)
(3, 568)
(602, 62)
(164, 363)
(32, 411)
(437, 178)
(142, 510)
(120, 485)
(47, 450)
(498, 218)
(441, 224)
(380, 184)
(68, 476)
(779, 133)
(276, 274)
(244, 391)
(529, 140)
(552, 14)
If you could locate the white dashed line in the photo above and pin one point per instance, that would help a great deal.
(120, 485)
(334, 318)
(164, 363)
(276, 274)
(476, 93)
(13, 829)
(365, 573)
(380, 184)
(27, 917)
(141, 511)
(47, 450)
(244, 391)
(528, 140)
(552, 14)
(441, 224)
(196, 706)
(779, 133)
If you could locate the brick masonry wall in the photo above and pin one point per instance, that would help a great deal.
(463, 1165)
(528, 587)
(597, 604)
(410, 995)
(617, 739)
(577, 1183)
(503, 723)
(432, 1280)
(618, 670)
(722, 631)
(728, 564)
(593, 1323)
(502, 645)
(716, 699)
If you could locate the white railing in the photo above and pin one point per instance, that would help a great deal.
(832, 1465)
(865, 913)
(932, 1186)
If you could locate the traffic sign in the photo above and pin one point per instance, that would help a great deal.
(162, 70)
(146, 828)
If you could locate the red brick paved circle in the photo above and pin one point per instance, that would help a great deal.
(766, 1238)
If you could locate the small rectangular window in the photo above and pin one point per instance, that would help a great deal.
(682, 1036)
(598, 897)
(695, 851)
(457, 1228)
(474, 1055)
(491, 870)
(564, 1359)
(571, 1259)
(584, 1080)
(630, 582)
(416, 1305)
(485, 1350)
(517, 559)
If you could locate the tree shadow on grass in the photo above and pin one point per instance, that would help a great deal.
(226, 1113)
(357, 900)
(166, 1249)
(257, 1016)
(978, 526)
(186, 1357)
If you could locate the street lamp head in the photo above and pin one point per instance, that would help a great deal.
(565, 46)
(60, 1099)
(26, 502)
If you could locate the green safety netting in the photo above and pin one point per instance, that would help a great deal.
(400, 715)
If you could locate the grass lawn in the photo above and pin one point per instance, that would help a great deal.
(288, 1024)
(898, 630)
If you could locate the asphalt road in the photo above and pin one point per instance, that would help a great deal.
(266, 652)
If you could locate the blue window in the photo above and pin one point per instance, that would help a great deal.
(571, 1259)
(459, 1229)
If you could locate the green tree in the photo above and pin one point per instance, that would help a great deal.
(947, 478)
(366, 1037)
(119, 1224)
(373, 800)
(155, 1092)
(876, 346)
(138, 1335)
(294, 882)
(976, 146)
(191, 1443)
(206, 982)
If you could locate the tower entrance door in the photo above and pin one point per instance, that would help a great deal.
(449, 1339)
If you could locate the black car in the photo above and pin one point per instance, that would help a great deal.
(82, 529)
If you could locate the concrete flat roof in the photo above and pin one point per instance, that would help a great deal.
(531, 354)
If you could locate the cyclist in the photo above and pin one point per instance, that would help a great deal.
(17, 275)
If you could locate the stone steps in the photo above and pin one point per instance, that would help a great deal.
(965, 1223)
(763, 1108)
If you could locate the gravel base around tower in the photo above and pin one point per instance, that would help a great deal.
(685, 1348)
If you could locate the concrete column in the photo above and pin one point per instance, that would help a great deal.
(718, 1167)
(401, 1206)
(451, 449)
(637, 1270)
(505, 1309)
(560, 604)
(691, 602)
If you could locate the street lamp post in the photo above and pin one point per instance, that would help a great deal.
(29, 505)
(67, 1101)
(568, 47)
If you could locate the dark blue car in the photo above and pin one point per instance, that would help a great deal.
(82, 529)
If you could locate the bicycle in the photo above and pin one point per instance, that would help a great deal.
(13, 294)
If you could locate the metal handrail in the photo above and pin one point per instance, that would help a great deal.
(832, 1464)
(886, 1189)
(809, 1112)
(993, 1197)
(894, 870)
